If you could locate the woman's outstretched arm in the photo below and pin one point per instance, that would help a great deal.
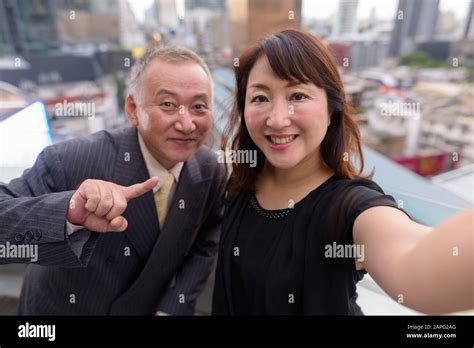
(428, 269)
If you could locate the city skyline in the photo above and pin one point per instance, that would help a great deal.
(323, 9)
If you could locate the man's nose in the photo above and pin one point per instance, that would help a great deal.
(185, 122)
(279, 116)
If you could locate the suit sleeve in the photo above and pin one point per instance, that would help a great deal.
(33, 211)
(180, 299)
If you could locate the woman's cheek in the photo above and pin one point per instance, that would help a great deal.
(252, 118)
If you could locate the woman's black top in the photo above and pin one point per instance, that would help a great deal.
(296, 261)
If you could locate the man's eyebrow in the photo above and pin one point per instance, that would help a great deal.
(201, 96)
(165, 91)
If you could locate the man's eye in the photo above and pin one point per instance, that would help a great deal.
(167, 105)
(259, 99)
(200, 107)
(299, 96)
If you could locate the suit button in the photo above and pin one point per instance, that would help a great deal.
(37, 235)
(19, 237)
(110, 259)
(28, 236)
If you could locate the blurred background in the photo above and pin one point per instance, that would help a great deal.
(407, 66)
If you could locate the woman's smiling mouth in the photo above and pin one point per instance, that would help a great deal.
(280, 142)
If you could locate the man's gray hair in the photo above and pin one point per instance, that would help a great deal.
(175, 54)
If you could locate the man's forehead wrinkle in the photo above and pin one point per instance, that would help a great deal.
(168, 82)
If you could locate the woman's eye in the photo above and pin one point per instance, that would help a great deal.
(299, 96)
(259, 99)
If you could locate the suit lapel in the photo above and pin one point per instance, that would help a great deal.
(186, 200)
(168, 250)
(141, 213)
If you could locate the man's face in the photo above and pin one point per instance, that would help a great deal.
(173, 110)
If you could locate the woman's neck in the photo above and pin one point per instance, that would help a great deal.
(306, 172)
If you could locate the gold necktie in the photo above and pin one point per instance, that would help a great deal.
(161, 198)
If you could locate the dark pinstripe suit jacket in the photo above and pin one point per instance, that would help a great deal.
(132, 273)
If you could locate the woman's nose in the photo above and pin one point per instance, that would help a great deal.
(279, 116)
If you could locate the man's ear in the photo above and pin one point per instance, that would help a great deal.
(131, 110)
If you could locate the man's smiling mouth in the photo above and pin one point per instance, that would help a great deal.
(183, 140)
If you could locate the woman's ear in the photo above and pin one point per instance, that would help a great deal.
(131, 110)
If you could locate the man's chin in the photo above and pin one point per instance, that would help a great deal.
(180, 152)
(181, 155)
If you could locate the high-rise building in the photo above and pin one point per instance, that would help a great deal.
(9, 35)
(28, 25)
(206, 30)
(162, 13)
(415, 20)
(87, 22)
(110, 22)
(168, 15)
(469, 27)
(130, 34)
(152, 15)
(215, 5)
(252, 19)
(463, 49)
(346, 18)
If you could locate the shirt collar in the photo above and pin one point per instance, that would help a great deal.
(155, 168)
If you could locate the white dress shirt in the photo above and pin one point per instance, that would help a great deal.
(156, 169)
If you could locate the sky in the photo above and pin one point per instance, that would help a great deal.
(384, 9)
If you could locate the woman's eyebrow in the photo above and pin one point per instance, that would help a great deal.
(294, 83)
(265, 87)
(259, 86)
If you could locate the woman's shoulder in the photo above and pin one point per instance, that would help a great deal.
(338, 187)
(357, 183)
(346, 198)
(332, 212)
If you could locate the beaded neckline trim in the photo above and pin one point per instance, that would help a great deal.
(269, 214)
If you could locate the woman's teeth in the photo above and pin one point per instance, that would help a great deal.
(280, 140)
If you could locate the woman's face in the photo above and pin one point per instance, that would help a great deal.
(286, 120)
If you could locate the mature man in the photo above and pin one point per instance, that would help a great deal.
(103, 183)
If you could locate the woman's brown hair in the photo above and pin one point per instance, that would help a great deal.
(296, 55)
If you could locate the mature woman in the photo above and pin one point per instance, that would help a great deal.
(303, 226)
